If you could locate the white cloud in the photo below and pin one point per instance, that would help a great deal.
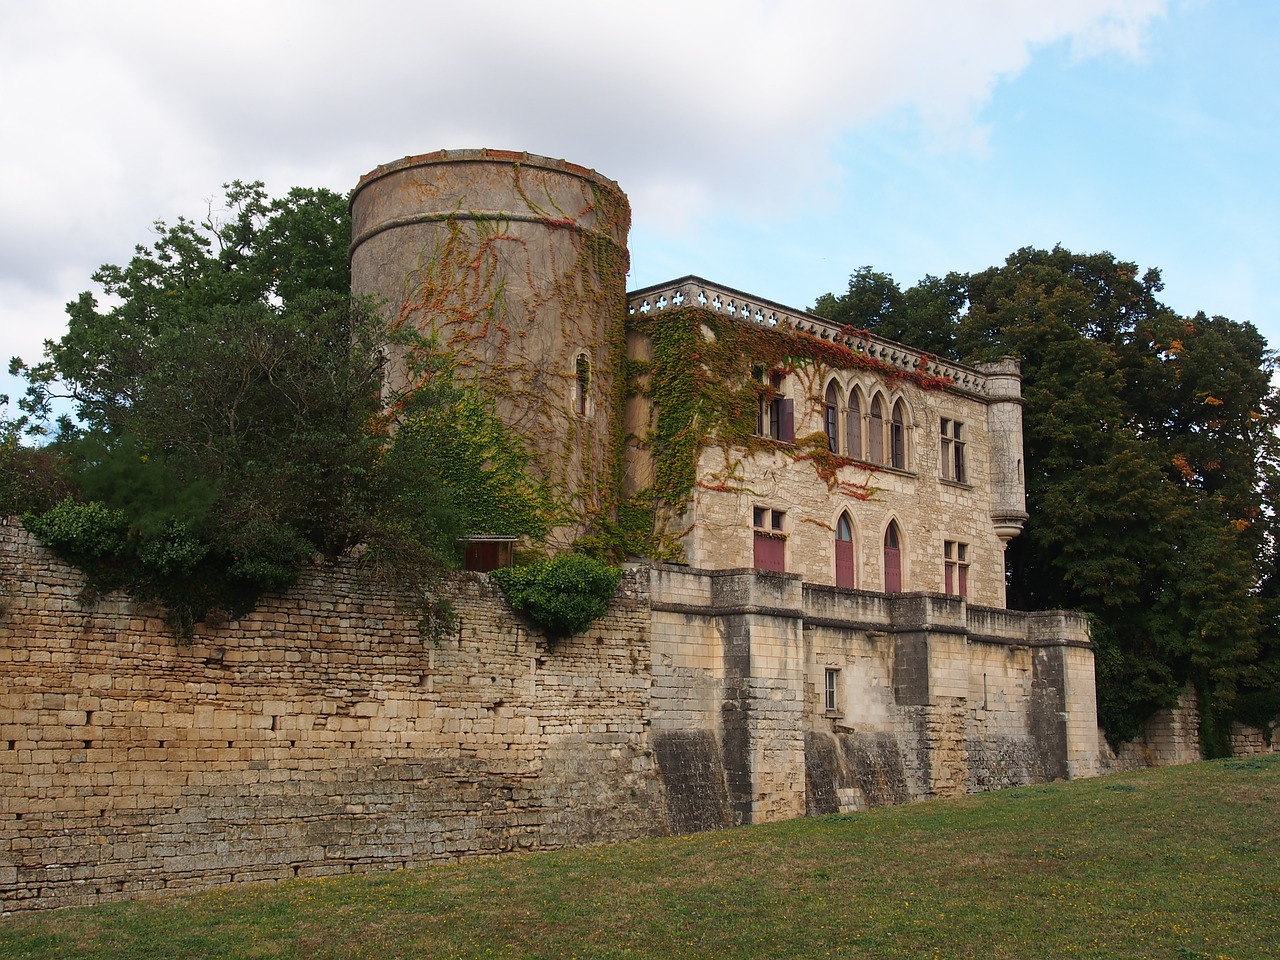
(121, 113)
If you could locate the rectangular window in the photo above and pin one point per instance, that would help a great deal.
(955, 568)
(776, 414)
(830, 698)
(952, 453)
(770, 539)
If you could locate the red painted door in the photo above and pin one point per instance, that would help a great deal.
(844, 553)
(770, 553)
(892, 560)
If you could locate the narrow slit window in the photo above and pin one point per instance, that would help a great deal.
(583, 385)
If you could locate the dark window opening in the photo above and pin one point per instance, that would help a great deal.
(831, 418)
(952, 453)
(898, 438)
(583, 384)
(776, 417)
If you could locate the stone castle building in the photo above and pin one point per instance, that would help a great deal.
(804, 448)
(815, 622)
(748, 441)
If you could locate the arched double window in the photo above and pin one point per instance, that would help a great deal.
(887, 434)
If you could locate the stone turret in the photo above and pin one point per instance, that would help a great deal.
(1004, 423)
(517, 264)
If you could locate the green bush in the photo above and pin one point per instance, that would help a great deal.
(562, 595)
(83, 531)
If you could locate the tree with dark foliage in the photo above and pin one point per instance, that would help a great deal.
(1151, 465)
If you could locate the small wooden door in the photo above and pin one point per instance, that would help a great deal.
(844, 553)
(892, 559)
(770, 553)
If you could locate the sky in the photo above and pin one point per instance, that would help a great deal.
(773, 146)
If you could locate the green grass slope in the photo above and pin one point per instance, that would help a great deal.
(1175, 863)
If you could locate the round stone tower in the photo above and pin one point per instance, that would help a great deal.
(517, 264)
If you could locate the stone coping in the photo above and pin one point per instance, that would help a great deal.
(485, 155)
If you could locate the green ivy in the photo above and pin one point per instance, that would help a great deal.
(483, 464)
(705, 390)
(561, 595)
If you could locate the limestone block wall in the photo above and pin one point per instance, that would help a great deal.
(321, 735)
(928, 510)
(1249, 741)
(1171, 737)
(967, 698)
(318, 735)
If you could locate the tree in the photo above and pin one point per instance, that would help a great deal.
(30, 478)
(233, 422)
(1150, 458)
(924, 316)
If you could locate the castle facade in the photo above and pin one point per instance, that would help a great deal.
(814, 622)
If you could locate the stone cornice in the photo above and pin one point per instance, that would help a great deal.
(695, 291)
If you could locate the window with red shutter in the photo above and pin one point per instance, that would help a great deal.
(892, 559)
(845, 576)
(769, 546)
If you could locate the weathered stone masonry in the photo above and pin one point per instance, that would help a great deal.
(320, 735)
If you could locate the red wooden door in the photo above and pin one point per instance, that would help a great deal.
(770, 553)
(844, 553)
(892, 560)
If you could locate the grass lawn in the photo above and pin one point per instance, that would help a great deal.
(1176, 863)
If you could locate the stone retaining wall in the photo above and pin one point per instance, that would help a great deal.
(321, 735)
(318, 735)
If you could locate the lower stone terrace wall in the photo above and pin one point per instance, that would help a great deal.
(319, 735)
(1171, 737)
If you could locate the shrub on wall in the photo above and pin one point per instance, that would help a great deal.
(562, 595)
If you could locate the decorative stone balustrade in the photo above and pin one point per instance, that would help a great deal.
(694, 291)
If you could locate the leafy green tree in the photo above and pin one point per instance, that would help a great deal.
(31, 477)
(924, 315)
(873, 300)
(1150, 466)
(231, 420)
